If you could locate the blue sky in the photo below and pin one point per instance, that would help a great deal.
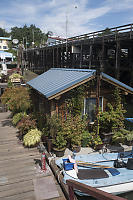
(83, 16)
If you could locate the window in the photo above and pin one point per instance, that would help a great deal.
(90, 107)
(0, 41)
(4, 47)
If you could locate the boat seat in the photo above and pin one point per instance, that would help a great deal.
(92, 174)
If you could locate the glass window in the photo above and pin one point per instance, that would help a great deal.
(90, 107)
(4, 47)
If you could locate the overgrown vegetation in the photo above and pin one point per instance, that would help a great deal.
(17, 99)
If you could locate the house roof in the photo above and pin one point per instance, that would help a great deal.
(117, 83)
(5, 38)
(57, 81)
(4, 54)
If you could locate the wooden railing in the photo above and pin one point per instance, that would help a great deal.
(92, 35)
(96, 193)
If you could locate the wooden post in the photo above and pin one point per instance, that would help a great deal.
(81, 55)
(118, 57)
(53, 57)
(90, 58)
(97, 99)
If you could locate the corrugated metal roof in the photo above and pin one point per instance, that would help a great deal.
(116, 83)
(57, 80)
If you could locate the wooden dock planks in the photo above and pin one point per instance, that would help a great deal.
(18, 168)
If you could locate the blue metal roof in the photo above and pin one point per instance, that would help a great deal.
(5, 38)
(57, 80)
(129, 119)
(5, 54)
(116, 83)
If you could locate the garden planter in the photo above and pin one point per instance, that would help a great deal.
(59, 152)
(44, 139)
(98, 147)
(49, 144)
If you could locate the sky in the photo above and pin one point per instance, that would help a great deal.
(66, 17)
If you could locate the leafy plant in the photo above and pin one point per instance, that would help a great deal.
(129, 136)
(87, 139)
(113, 118)
(17, 99)
(120, 136)
(17, 117)
(15, 75)
(32, 138)
(52, 126)
(25, 125)
(60, 141)
(73, 127)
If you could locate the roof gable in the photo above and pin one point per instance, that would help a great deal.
(57, 81)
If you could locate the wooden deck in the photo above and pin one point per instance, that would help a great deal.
(20, 174)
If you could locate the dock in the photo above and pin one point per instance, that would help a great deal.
(21, 177)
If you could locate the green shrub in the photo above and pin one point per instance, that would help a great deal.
(120, 136)
(26, 124)
(86, 139)
(129, 137)
(17, 117)
(32, 138)
(17, 99)
(60, 141)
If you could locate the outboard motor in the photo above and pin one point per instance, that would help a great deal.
(119, 163)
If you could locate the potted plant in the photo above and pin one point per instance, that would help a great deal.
(74, 127)
(59, 144)
(32, 138)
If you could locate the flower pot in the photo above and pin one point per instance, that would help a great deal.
(59, 152)
(49, 144)
(76, 148)
(98, 147)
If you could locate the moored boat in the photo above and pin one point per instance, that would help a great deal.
(97, 170)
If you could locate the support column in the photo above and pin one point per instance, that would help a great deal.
(90, 58)
(81, 55)
(117, 59)
(130, 58)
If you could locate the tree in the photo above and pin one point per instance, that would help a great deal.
(29, 36)
(3, 33)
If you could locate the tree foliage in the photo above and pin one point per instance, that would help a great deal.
(17, 99)
(3, 33)
(28, 35)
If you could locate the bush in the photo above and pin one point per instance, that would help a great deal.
(87, 139)
(32, 138)
(17, 117)
(17, 99)
(120, 136)
(60, 141)
(25, 125)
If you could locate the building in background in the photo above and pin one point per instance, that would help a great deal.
(4, 43)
